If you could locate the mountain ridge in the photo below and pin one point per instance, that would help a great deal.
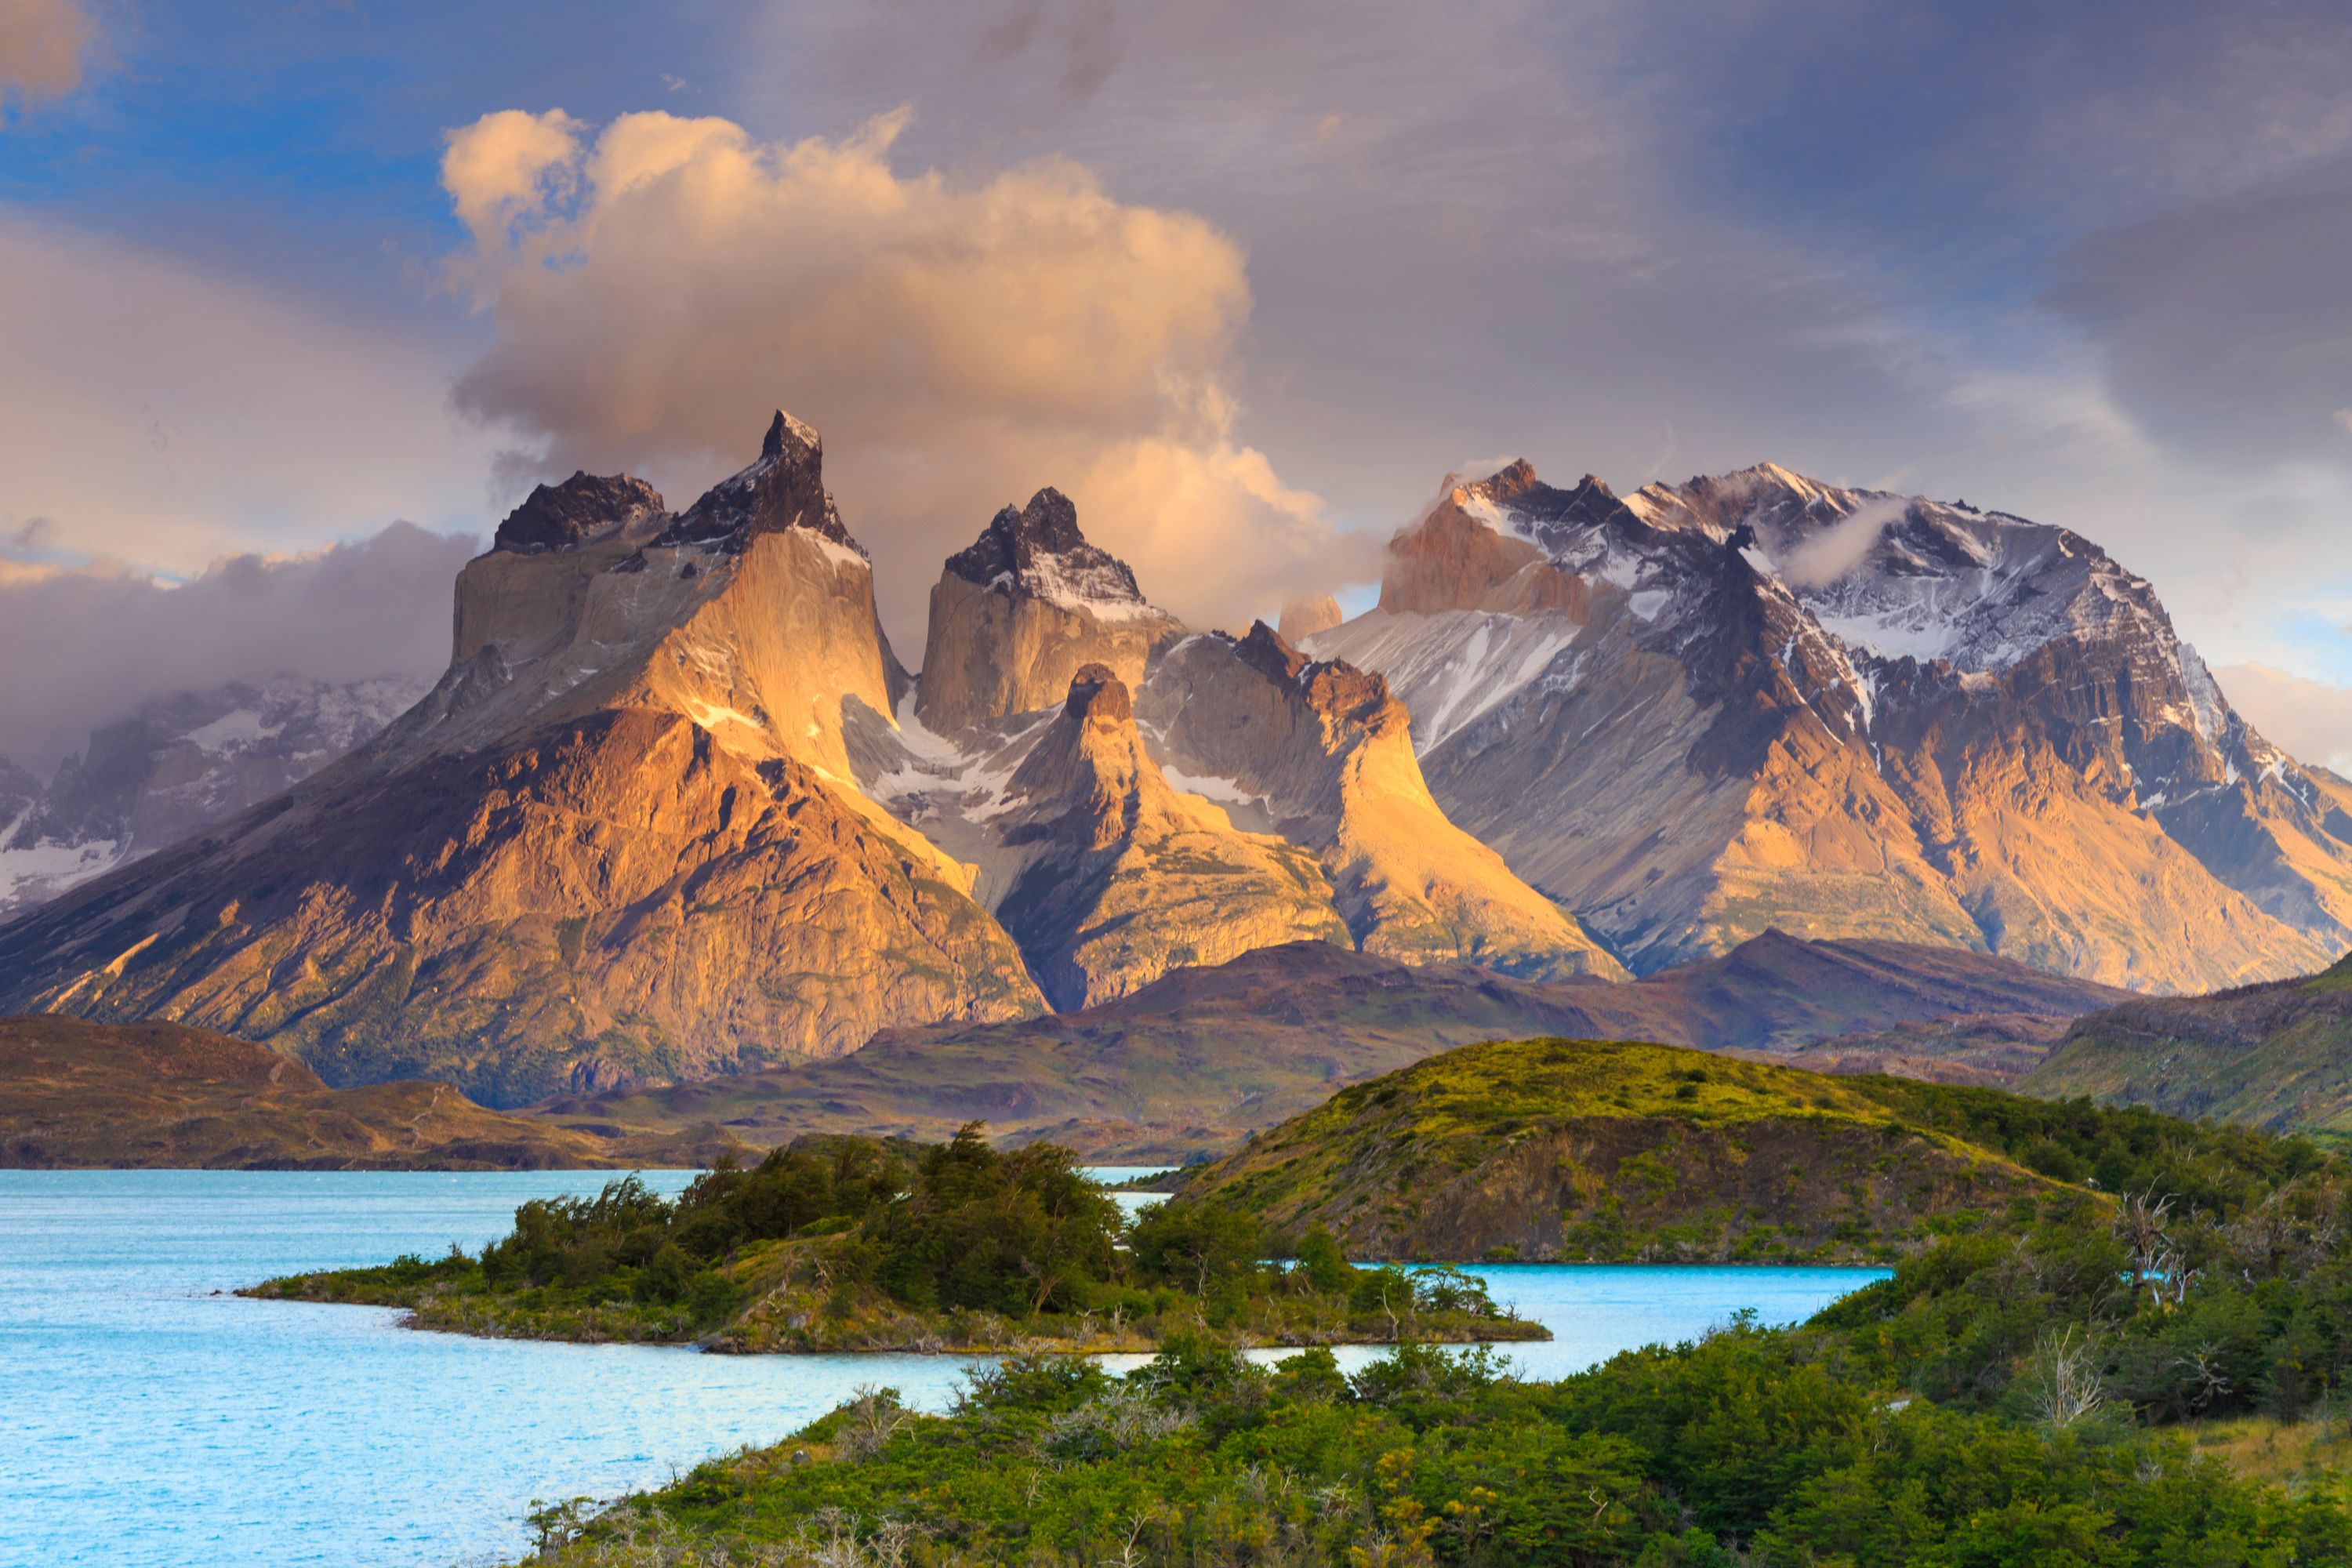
(1849, 713)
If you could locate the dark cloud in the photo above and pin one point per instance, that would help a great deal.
(84, 646)
(2225, 328)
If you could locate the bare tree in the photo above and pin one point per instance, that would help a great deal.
(2066, 1386)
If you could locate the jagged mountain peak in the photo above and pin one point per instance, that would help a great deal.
(1038, 550)
(783, 489)
(1329, 686)
(784, 429)
(558, 517)
(1019, 611)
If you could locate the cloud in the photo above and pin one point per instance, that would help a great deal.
(1839, 547)
(41, 48)
(157, 413)
(2309, 719)
(86, 645)
(2222, 325)
(655, 290)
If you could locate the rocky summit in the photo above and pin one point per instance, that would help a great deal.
(1019, 611)
(618, 840)
(676, 809)
(1700, 710)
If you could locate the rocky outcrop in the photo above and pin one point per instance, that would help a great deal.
(1114, 877)
(618, 841)
(1016, 615)
(1321, 752)
(1756, 701)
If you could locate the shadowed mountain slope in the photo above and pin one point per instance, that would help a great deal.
(1198, 1060)
(74, 1093)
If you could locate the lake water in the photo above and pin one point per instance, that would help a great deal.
(146, 1422)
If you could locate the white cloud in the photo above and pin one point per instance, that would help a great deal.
(958, 343)
(1839, 547)
(42, 43)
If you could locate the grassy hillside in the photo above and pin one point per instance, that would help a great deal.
(2276, 1055)
(1189, 1066)
(75, 1093)
(2116, 1384)
(1607, 1151)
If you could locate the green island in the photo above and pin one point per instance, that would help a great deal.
(2137, 1353)
(856, 1244)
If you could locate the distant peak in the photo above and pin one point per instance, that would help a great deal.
(1304, 615)
(1515, 478)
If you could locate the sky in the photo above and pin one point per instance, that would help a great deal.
(1245, 280)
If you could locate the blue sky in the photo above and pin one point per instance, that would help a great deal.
(2092, 264)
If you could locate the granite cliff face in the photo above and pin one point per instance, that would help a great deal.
(1291, 786)
(1755, 700)
(618, 840)
(1018, 613)
(1114, 877)
(1322, 753)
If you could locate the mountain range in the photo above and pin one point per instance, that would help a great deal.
(676, 809)
(174, 767)
(1699, 710)
(1196, 1062)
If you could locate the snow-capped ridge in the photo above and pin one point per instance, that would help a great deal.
(1039, 551)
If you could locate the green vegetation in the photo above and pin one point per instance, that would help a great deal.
(856, 1244)
(1588, 1151)
(2274, 1056)
(2106, 1379)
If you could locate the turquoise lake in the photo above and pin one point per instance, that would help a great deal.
(146, 1421)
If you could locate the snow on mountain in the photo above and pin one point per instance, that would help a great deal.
(175, 767)
(1888, 715)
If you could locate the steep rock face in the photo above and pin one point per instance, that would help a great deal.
(1116, 878)
(1756, 701)
(1322, 753)
(175, 767)
(1019, 612)
(617, 841)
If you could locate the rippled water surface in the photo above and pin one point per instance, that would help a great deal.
(146, 1421)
